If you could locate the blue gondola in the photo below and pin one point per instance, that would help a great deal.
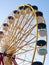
(37, 63)
(34, 7)
(41, 43)
(41, 26)
(39, 13)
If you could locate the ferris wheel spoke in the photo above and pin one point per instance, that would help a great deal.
(20, 22)
(26, 35)
(9, 33)
(12, 30)
(25, 45)
(18, 32)
(21, 33)
(27, 32)
(17, 27)
(27, 42)
(23, 60)
(25, 51)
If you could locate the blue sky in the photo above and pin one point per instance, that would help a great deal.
(6, 6)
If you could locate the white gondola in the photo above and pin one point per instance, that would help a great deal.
(40, 19)
(10, 20)
(22, 10)
(42, 47)
(42, 32)
(42, 50)
(16, 13)
(42, 29)
(5, 27)
(1, 34)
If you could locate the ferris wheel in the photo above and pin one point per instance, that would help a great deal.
(23, 39)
